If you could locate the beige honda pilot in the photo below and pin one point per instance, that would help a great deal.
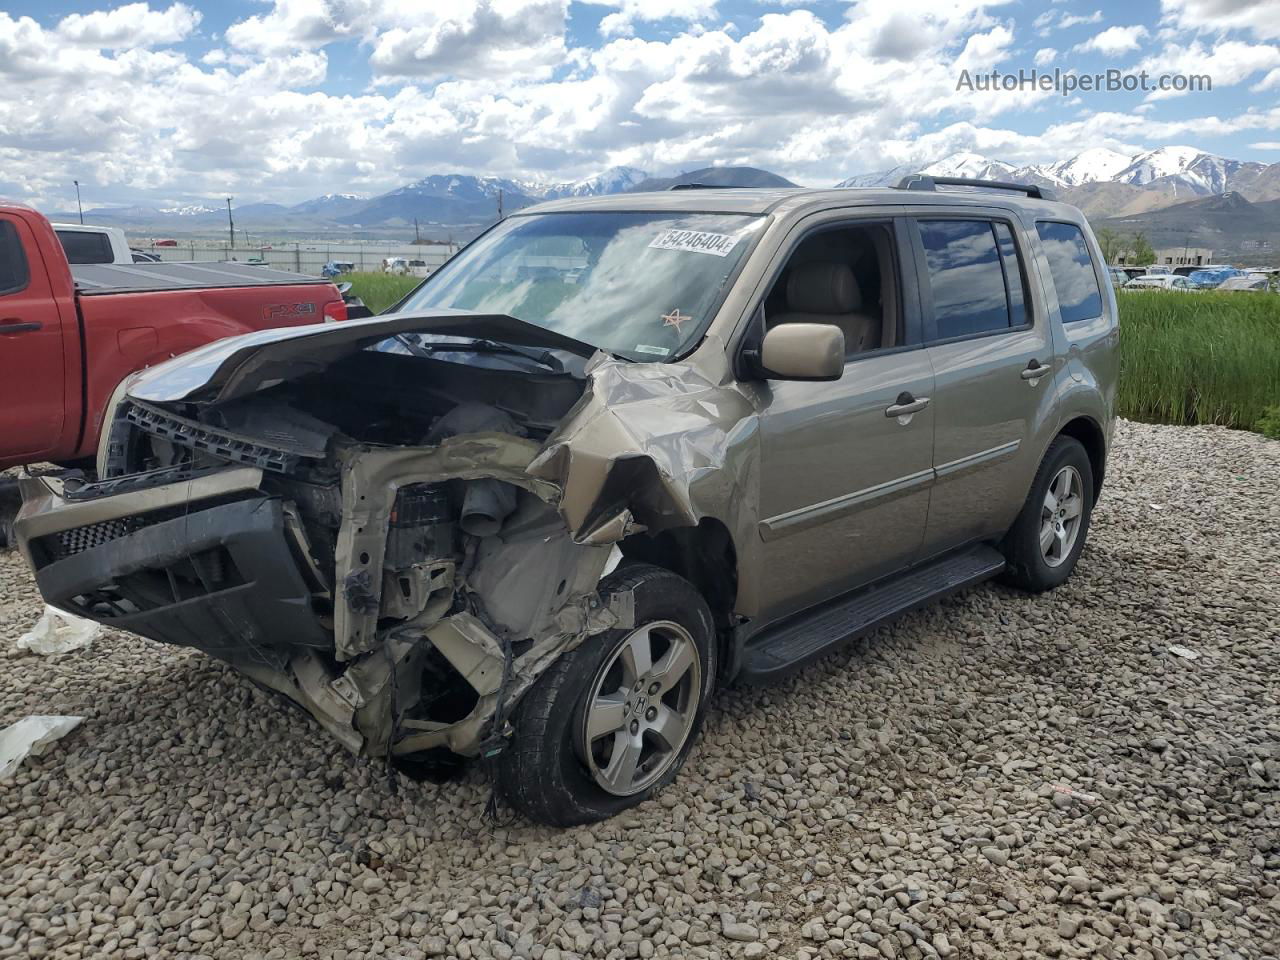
(617, 452)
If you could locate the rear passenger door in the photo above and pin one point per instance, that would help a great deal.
(993, 358)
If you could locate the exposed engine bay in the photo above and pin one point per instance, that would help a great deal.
(399, 541)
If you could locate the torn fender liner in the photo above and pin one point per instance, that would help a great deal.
(242, 365)
(221, 579)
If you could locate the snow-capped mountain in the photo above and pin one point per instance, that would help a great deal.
(881, 178)
(613, 180)
(969, 165)
(1176, 171)
(1200, 172)
(188, 210)
(1091, 166)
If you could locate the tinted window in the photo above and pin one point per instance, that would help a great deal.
(1015, 280)
(85, 247)
(966, 275)
(1072, 269)
(13, 260)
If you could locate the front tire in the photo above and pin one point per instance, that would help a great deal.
(610, 723)
(1045, 542)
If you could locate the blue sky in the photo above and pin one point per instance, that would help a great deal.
(171, 102)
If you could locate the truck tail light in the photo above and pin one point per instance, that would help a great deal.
(335, 311)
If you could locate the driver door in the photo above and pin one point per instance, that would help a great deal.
(846, 467)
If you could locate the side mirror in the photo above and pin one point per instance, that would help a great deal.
(803, 351)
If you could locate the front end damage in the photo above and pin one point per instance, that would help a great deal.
(398, 543)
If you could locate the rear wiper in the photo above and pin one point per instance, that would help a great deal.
(544, 358)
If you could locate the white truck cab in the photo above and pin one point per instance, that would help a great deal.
(88, 243)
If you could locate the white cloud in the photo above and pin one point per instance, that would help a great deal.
(132, 25)
(622, 23)
(496, 86)
(1114, 41)
(1227, 63)
(1266, 145)
(1258, 17)
(293, 25)
(477, 39)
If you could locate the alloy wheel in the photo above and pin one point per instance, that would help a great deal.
(641, 707)
(1060, 516)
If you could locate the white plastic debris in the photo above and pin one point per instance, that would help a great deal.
(59, 632)
(1075, 794)
(1185, 652)
(29, 737)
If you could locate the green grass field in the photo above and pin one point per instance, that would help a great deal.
(1186, 357)
(1190, 358)
(379, 290)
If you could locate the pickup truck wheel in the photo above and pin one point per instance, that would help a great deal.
(610, 723)
(1044, 543)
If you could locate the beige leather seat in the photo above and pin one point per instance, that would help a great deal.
(825, 292)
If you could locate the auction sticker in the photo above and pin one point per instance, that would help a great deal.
(695, 241)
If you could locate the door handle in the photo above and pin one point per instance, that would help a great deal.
(14, 325)
(1035, 370)
(905, 406)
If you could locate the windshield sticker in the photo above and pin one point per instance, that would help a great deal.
(675, 318)
(694, 241)
(647, 348)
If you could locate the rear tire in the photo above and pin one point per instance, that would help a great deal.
(602, 730)
(1045, 542)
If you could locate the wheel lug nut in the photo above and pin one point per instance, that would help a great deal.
(635, 726)
(651, 714)
(653, 688)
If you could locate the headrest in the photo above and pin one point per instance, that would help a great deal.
(823, 288)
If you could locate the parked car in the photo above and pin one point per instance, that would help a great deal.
(1163, 281)
(336, 268)
(1118, 277)
(1250, 283)
(406, 267)
(1212, 277)
(70, 335)
(141, 256)
(756, 423)
(85, 243)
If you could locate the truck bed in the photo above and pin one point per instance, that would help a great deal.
(94, 279)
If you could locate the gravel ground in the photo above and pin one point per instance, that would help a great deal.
(897, 799)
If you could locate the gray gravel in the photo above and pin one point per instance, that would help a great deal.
(897, 799)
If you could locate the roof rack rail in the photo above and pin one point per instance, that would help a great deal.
(920, 181)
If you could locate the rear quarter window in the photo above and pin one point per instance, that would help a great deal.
(1072, 270)
(86, 247)
(13, 259)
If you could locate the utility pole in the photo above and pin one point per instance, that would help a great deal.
(417, 237)
(231, 226)
(78, 206)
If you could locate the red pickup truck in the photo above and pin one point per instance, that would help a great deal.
(70, 335)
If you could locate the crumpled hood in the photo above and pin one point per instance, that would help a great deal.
(242, 365)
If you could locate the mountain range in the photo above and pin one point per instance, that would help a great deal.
(1106, 184)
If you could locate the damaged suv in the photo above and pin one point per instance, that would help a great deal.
(616, 452)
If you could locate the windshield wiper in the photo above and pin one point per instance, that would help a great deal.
(543, 358)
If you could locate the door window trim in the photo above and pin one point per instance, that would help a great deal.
(927, 313)
(909, 304)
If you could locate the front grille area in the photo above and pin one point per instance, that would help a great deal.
(79, 539)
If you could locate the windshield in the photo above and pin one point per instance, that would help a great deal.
(640, 285)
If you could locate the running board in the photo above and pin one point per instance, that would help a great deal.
(796, 641)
